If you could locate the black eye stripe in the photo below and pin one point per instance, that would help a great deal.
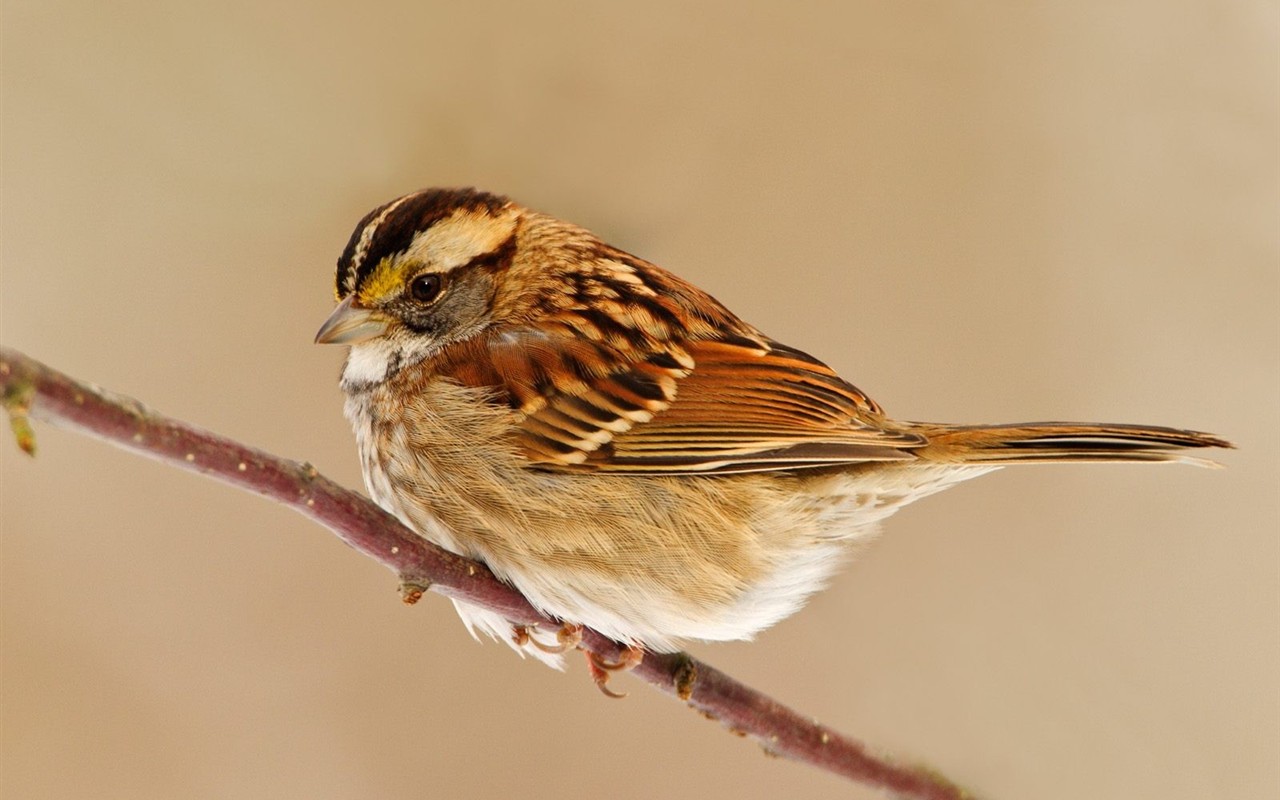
(481, 261)
(496, 258)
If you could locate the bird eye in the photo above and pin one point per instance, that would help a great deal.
(425, 288)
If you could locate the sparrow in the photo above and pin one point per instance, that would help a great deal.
(616, 444)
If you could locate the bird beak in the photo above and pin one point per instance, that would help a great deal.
(351, 324)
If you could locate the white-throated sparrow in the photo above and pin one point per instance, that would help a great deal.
(615, 443)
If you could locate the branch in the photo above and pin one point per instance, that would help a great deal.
(31, 388)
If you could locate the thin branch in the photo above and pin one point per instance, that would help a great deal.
(31, 388)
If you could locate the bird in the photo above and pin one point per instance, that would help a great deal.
(619, 446)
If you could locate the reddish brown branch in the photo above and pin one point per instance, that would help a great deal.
(30, 387)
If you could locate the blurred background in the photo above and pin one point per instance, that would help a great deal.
(977, 212)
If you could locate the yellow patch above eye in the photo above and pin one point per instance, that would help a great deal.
(386, 278)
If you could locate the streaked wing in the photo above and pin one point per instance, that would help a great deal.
(733, 404)
(754, 405)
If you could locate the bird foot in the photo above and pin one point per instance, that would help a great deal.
(601, 669)
(568, 637)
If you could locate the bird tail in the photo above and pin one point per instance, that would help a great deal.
(1046, 442)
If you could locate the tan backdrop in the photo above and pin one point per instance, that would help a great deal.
(976, 211)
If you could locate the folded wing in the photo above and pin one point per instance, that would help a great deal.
(731, 404)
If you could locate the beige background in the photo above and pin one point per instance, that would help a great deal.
(976, 211)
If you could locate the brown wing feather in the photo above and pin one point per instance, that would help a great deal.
(735, 404)
(752, 406)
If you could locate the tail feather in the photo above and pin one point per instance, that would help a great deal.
(1046, 442)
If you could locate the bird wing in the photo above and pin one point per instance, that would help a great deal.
(731, 403)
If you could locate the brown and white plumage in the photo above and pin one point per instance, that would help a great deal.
(617, 444)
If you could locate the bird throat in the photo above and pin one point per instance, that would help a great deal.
(370, 364)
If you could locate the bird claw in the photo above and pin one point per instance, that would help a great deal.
(601, 669)
(568, 637)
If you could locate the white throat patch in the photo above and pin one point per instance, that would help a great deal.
(368, 363)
